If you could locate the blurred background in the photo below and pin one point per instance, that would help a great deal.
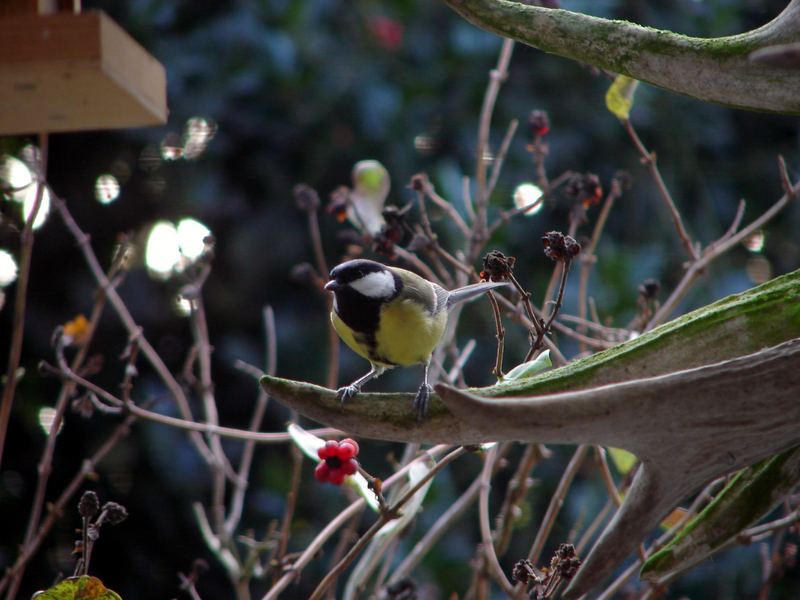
(267, 94)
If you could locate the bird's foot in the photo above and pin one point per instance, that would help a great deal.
(421, 401)
(343, 394)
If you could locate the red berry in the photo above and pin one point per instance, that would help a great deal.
(346, 450)
(352, 442)
(322, 453)
(322, 472)
(349, 467)
(336, 477)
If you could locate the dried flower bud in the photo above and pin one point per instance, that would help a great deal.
(585, 188)
(538, 123)
(650, 288)
(417, 182)
(305, 197)
(566, 562)
(115, 513)
(560, 247)
(88, 505)
(524, 572)
(339, 201)
(497, 266)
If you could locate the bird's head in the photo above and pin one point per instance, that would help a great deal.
(364, 277)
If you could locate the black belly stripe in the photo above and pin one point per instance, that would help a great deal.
(361, 314)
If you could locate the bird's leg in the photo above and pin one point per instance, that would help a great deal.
(421, 400)
(343, 394)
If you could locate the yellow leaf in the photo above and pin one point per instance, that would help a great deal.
(76, 331)
(78, 588)
(619, 97)
(622, 459)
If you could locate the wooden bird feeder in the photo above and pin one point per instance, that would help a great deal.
(63, 70)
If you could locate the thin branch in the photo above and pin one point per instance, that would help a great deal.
(386, 516)
(57, 509)
(487, 542)
(556, 502)
(436, 531)
(517, 489)
(241, 482)
(715, 249)
(497, 167)
(587, 257)
(496, 78)
(649, 160)
(133, 329)
(430, 192)
(339, 521)
(20, 297)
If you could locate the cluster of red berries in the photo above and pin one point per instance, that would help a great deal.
(338, 461)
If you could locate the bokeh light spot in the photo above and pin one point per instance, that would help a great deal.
(8, 269)
(47, 414)
(528, 195)
(15, 174)
(106, 189)
(197, 133)
(755, 241)
(29, 202)
(171, 147)
(191, 236)
(162, 254)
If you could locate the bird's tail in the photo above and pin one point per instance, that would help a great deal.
(468, 292)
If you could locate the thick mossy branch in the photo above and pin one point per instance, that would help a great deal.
(716, 70)
(734, 326)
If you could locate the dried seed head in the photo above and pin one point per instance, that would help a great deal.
(560, 247)
(497, 266)
(88, 505)
(115, 513)
(417, 182)
(306, 197)
(650, 288)
(524, 572)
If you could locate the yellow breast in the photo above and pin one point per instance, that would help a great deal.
(408, 336)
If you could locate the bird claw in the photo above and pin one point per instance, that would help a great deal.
(343, 394)
(420, 404)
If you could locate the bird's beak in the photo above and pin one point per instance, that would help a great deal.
(332, 285)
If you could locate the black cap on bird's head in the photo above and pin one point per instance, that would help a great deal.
(367, 277)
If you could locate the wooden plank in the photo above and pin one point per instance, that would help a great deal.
(68, 72)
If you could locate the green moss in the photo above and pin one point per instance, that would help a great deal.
(734, 326)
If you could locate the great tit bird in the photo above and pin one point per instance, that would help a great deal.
(391, 317)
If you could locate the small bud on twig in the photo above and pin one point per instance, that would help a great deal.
(306, 197)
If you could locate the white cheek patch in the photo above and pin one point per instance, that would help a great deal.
(375, 285)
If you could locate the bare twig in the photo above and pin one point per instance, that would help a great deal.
(57, 509)
(487, 542)
(436, 531)
(496, 78)
(649, 160)
(240, 484)
(18, 323)
(715, 249)
(556, 502)
(134, 331)
(339, 521)
(587, 258)
(386, 516)
(517, 488)
(497, 166)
